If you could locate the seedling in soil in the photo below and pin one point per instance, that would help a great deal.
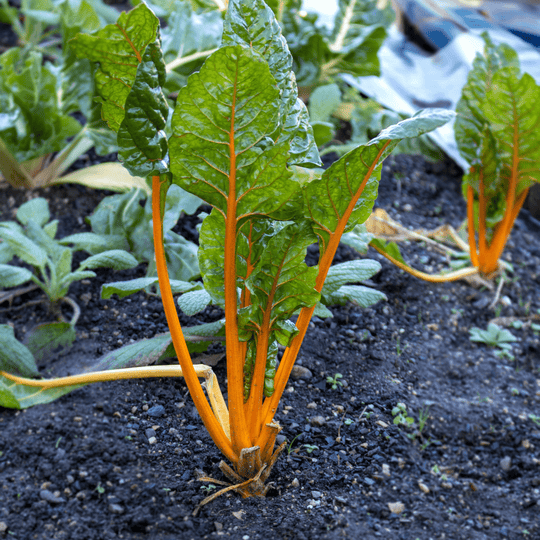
(334, 381)
(399, 412)
(239, 136)
(535, 419)
(494, 336)
(310, 448)
(290, 447)
(208, 488)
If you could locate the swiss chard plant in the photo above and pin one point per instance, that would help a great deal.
(238, 133)
(496, 132)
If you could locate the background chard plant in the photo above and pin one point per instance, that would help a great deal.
(239, 137)
(496, 132)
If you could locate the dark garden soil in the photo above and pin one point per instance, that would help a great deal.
(82, 467)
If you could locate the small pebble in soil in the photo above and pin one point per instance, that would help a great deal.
(156, 411)
(318, 421)
(301, 372)
(506, 463)
(396, 508)
(51, 497)
(116, 509)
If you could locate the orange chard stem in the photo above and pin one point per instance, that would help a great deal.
(235, 360)
(195, 389)
(470, 226)
(255, 399)
(514, 214)
(483, 250)
(289, 356)
(504, 228)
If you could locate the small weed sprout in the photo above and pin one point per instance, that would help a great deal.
(399, 412)
(494, 336)
(310, 448)
(290, 447)
(334, 381)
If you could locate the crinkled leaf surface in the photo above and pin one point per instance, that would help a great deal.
(142, 140)
(496, 129)
(221, 136)
(281, 282)
(251, 242)
(119, 48)
(471, 119)
(253, 25)
(512, 109)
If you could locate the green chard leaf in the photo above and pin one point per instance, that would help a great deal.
(280, 284)
(119, 48)
(359, 30)
(141, 136)
(33, 122)
(253, 25)
(471, 120)
(222, 125)
(355, 177)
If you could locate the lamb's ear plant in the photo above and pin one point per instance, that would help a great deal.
(238, 128)
(496, 132)
(33, 241)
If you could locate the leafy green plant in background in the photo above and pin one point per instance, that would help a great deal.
(238, 129)
(40, 88)
(121, 222)
(350, 46)
(496, 133)
(32, 240)
(368, 118)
